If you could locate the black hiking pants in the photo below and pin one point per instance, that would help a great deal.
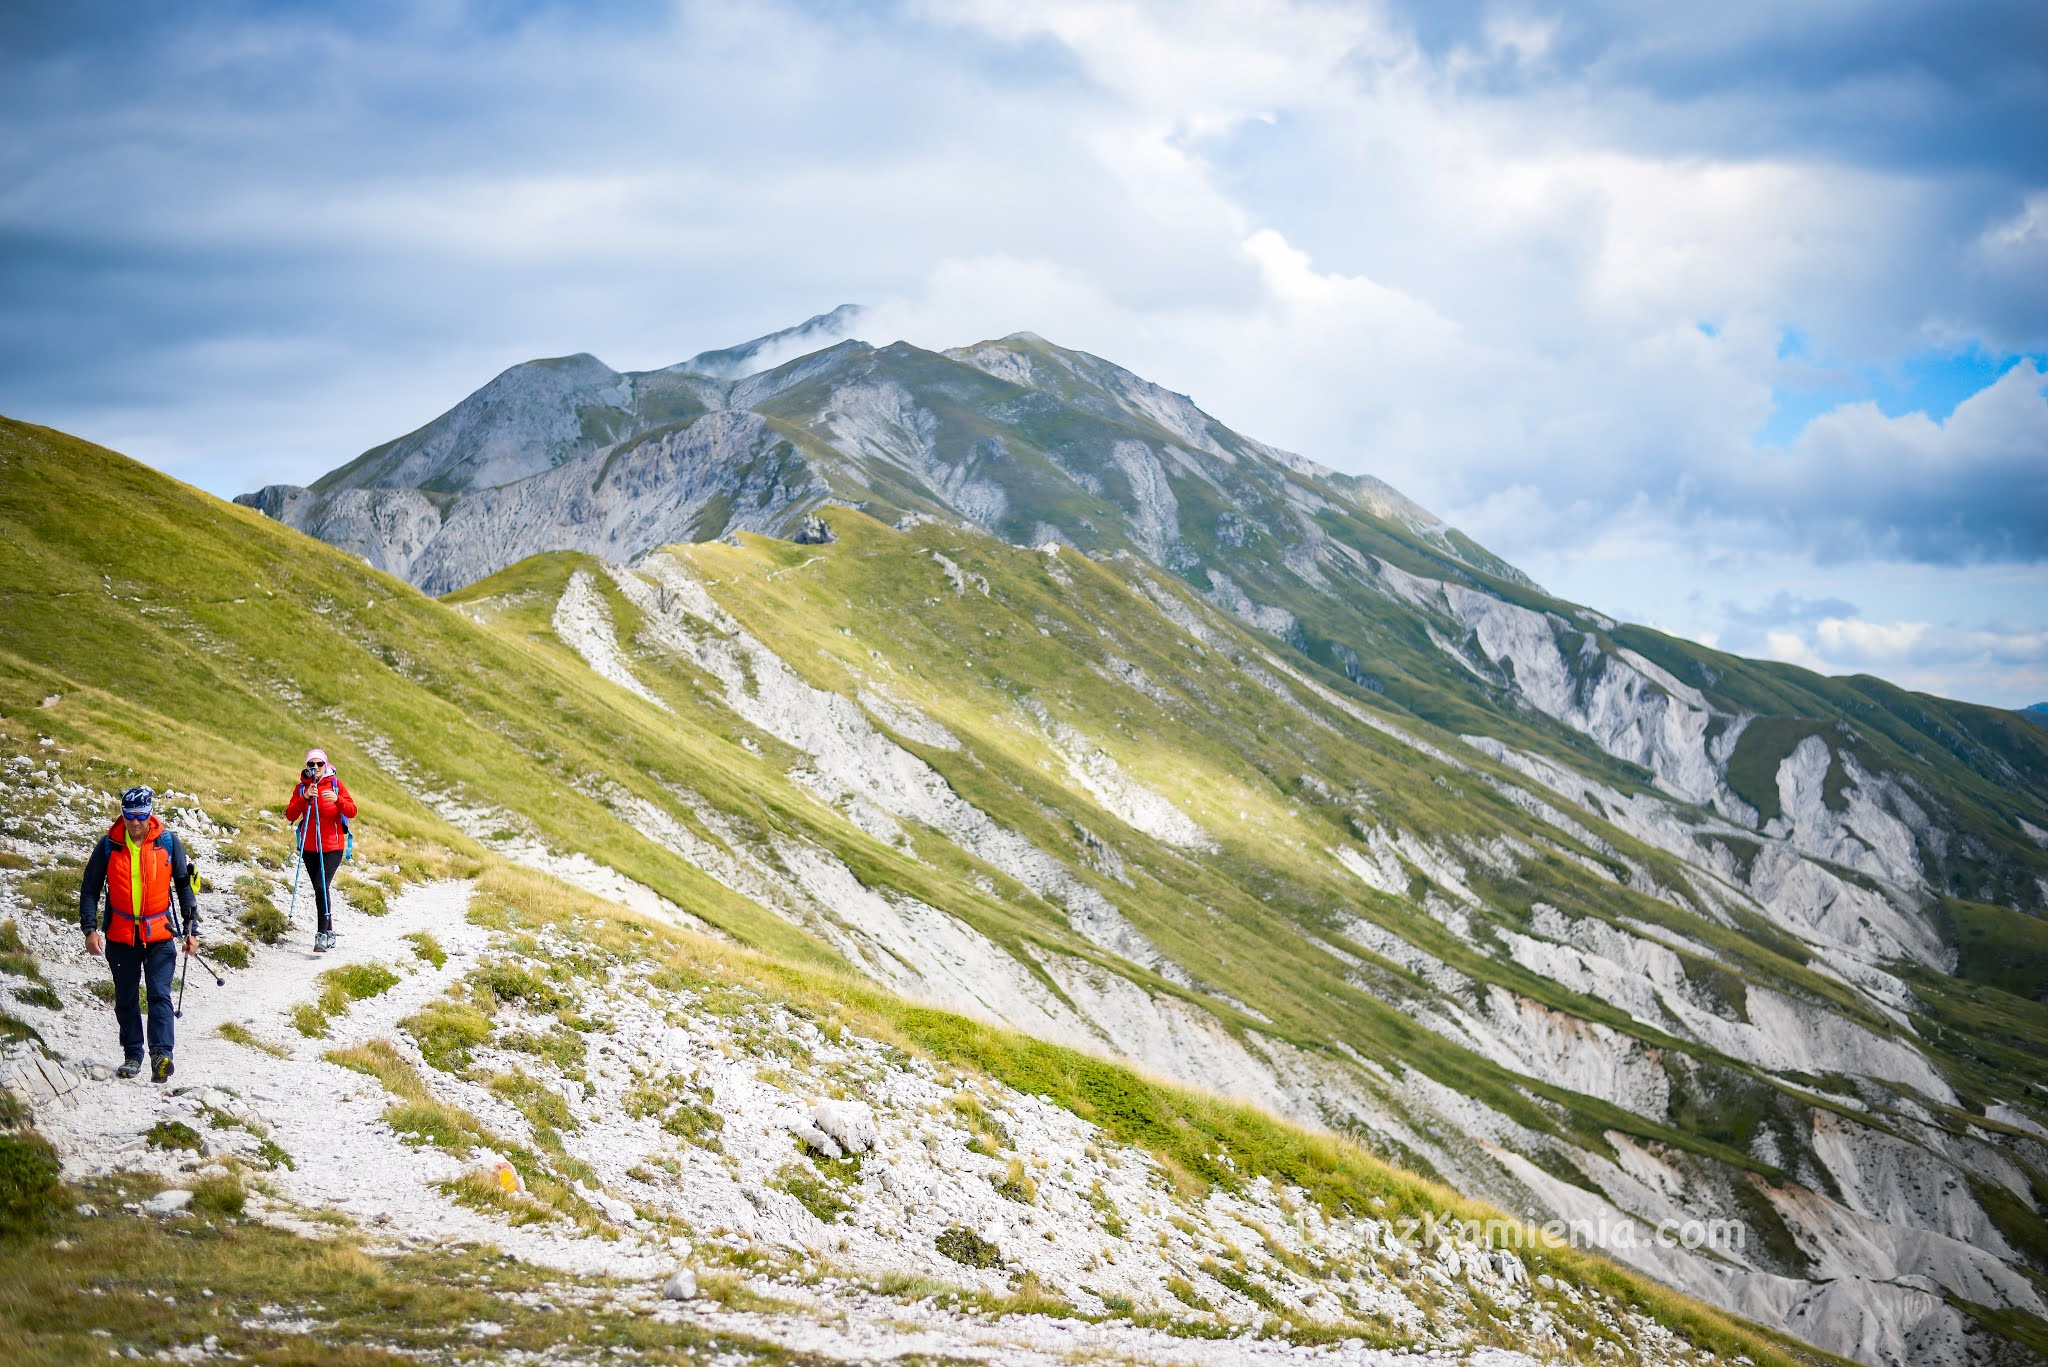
(321, 866)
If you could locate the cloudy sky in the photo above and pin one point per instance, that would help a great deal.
(1732, 319)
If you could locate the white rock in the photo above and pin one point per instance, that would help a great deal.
(850, 1123)
(681, 1285)
(806, 1129)
(168, 1202)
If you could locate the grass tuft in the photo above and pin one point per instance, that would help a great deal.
(340, 988)
(967, 1248)
(174, 1134)
(29, 1187)
(259, 915)
(1016, 1185)
(53, 889)
(380, 1059)
(446, 1031)
(427, 948)
(503, 982)
(365, 896)
(824, 1198)
(219, 1196)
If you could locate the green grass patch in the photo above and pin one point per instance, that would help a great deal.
(1244, 1285)
(684, 1109)
(1016, 1185)
(125, 1283)
(446, 1031)
(365, 896)
(29, 1188)
(221, 1197)
(229, 953)
(53, 889)
(174, 1134)
(417, 1117)
(380, 1059)
(438, 1125)
(40, 994)
(259, 915)
(540, 1104)
(427, 948)
(823, 1197)
(2000, 947)
(1762, 747)
(341, 988)
(501, 981)
(967, 1248)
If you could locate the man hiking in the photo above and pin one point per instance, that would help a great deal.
(322, 806)
(138, 864)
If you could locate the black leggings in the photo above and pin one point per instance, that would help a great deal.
(321, 866)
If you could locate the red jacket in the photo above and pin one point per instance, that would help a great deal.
(327, 830)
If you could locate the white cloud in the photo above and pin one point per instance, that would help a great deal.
(2010, 663)
(1471, 255)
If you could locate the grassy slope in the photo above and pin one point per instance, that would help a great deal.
(255, 629)
(211, 646)
(153, 632)
(1249, 768)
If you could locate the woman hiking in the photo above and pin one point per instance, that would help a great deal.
(322, 807)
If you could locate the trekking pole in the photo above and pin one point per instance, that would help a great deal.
(298, 867)
(218, 980)
(322, 894)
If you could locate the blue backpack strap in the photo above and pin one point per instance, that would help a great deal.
(347, 827)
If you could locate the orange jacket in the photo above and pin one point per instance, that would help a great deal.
(164, 868)
(332, 805)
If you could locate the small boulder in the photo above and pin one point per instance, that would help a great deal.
(850, 1124)
(807, 1129)
(615, 1210)
(168, 1202)
(500, 1173)
(680, 1286)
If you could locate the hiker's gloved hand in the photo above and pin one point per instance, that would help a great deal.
(191, 944)
(95, 943)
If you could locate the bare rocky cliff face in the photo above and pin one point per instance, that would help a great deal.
(1871, 1115)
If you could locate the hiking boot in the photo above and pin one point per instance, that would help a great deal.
(161, 1068)
(323, 941)
(132, 1068)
